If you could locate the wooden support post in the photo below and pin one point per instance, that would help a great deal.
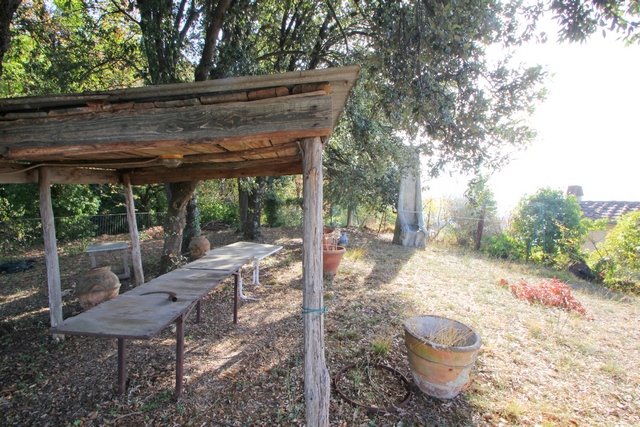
(316, 374)
(136, 255)
(50, 250)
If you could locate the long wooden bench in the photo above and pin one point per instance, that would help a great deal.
(143, 312)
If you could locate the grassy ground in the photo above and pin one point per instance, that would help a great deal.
(537, 366)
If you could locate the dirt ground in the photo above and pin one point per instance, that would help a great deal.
(250, 374)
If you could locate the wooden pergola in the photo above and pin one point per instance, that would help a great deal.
(267, 125)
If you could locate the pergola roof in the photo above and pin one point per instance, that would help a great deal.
(236, 127)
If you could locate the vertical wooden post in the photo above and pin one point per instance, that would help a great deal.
(50, 249)
(316, 374)
(136, 255)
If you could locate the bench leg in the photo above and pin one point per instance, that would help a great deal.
(179, 354)
(122, 365)
(92, 257)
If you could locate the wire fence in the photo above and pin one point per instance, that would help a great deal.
(17, 234)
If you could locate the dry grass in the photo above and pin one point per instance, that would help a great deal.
(537, 366)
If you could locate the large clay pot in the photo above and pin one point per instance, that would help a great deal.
(327, 237)
(440, 370)
(97, 285)
(331, 257)
(198, 246)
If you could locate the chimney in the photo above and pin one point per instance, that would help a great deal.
(576, 190)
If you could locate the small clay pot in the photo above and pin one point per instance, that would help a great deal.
(97, 285)
(198, 246)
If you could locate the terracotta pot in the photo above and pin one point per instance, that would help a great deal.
(331, 257)
(440, 370)
(327, 237)
(97, 285)
(198, 246)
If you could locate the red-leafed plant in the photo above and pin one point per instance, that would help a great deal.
(549, 292)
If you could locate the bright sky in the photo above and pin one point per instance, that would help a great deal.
(588, 128)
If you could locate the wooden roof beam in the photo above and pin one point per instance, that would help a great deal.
(199, 172)
(166, 127)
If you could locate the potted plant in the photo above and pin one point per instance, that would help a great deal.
(331, 252)
(441, 354)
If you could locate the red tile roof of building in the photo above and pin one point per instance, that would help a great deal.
(611, 210)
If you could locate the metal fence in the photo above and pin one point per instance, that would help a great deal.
(18, 234)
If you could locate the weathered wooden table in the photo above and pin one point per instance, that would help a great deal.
(242, 249)
(122, 247)
(143, 312)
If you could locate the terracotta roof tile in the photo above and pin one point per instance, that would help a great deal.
(611, 210)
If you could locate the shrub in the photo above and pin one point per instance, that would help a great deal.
(548, 227)
(502, 246)
(618, 261)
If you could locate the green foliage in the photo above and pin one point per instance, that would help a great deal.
(547, 227)
(618, 260)
(69, 46)
(72, 206)
(282, 202)
(217, 201)
(580, 19)
(502, 246)
(217, 210)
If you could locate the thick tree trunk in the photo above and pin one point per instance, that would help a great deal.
(252, 227)
(350, 217)
(7, 9)
(192, 228)
(178, 195)
(316, 374)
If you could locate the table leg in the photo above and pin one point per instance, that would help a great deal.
(235, 297)
(122, 365)
(125, 258)
(242, 295)
(179, 355)
(256, 272)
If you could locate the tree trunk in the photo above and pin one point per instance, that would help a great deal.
(252, 226)
(7, 9)
(350, 216)
(178, 195)
(316, 374)
(192, 228)
(215, 20)
(243, 203)
(480, 230)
